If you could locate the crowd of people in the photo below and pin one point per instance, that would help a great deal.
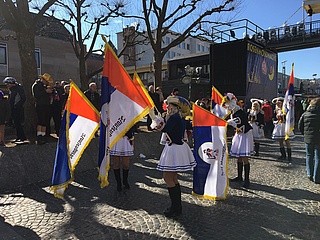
(49, 97)
(263, 119)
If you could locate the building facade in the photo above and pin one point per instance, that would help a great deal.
(140, 56)
(54, 53)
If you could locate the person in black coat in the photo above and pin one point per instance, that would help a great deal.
(5, 113)
(93, 96)
(42, 90)
(309, 125)
(17, 98)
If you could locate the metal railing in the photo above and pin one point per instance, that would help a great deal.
(244, 28)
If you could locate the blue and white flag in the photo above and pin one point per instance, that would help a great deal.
(79, 123)
(123, 105)
(210, 176)
(216, 104)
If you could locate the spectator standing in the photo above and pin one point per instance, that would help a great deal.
(268, 114)
(65, 95)
(161, 99)
(17, 99)
(55, 109)
(5, 113)
(309, 125)
(241, 104)
(298, 110)
(175, 92)
(94, 97)
(42, 89)
(305, 104)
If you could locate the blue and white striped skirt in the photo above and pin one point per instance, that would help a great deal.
(122, 148)
(279, 132)
(242, 144)
(176, 158)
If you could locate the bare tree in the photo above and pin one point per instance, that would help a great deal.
(189, 16)
(18, 16)
(85, 19)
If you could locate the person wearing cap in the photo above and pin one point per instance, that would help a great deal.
(176, 155)
(94, 97)
(42, 89)
(256, 121)
(17, 98)
(242, 141)
(279, 130)
(309, 126)
(5, 113)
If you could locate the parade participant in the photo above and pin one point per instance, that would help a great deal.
(122, 149)
(176, 155)
(156, 100)
(279, 129)
(242, 141)
(256, 121)
(309, 125)
(42, 89)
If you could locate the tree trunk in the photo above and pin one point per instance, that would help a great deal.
(29, 73)
(157, 65)
(83, 74)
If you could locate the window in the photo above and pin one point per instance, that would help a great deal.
(202, 48)
(173, 54)
(188, 46)
(178, 54)
(3, 60)
(38, 60)
(168, 54)
(3, 54)
(198, 47)
(183, 45)
(167, 40)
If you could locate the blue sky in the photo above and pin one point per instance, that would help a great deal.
(265, 14)
(273, 13)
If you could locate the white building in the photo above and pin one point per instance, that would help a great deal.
(140, 56)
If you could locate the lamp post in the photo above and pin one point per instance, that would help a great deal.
(191, 73)
(283, 76)
(315, 85)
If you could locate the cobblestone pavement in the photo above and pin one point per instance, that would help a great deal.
(280, 204)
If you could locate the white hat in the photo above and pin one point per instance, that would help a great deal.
(275, 100)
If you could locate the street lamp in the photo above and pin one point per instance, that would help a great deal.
(283, 76)
(191, 73)
(315, 85)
